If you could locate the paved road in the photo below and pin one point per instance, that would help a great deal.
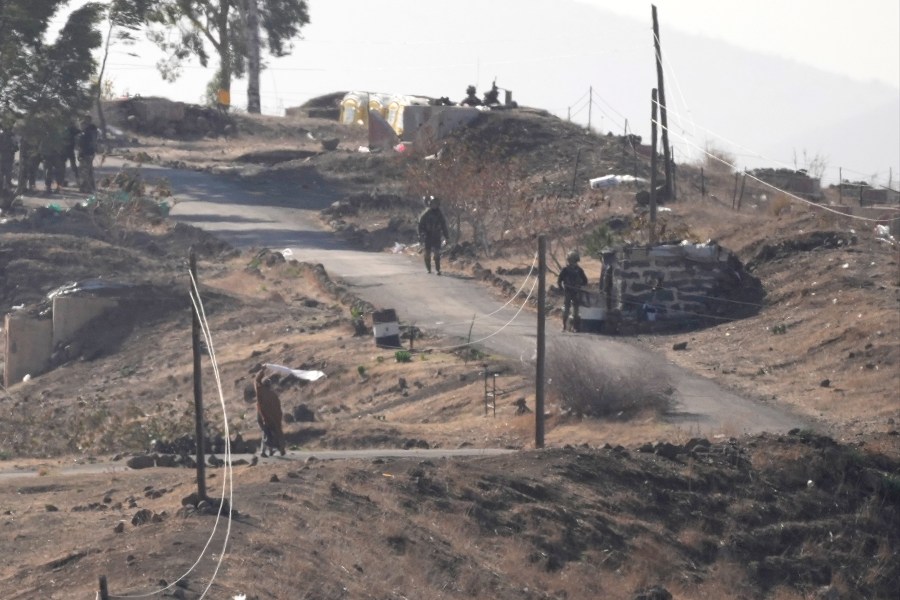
(291, 455)
(247, 216)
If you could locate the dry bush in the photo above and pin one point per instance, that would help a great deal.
(584, 388)
(780, 203)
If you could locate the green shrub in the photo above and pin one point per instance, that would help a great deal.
(402, 356)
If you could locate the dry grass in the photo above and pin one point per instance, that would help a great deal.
(583, 389)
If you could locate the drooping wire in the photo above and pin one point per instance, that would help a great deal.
(228, 480)
(499, 329)
(508, 302)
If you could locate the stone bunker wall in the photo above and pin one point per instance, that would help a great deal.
(675, 282)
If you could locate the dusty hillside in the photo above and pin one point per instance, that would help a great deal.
(611, 510)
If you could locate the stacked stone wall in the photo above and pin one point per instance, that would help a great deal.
(674, 282)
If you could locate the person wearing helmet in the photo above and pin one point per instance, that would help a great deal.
(432, 230)
(571, 281)
(471, 98)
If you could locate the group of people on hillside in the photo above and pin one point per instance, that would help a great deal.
(47, 156)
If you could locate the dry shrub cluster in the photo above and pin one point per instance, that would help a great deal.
(585, 388)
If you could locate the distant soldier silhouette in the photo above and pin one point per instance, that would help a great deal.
(8, 149)
(87, 149)
(471, 98)
(432, 230)
(492, 96)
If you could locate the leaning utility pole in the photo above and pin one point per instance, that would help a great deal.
(663, 119)
(253, 66)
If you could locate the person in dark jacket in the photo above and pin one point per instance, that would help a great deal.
(8, 149)
(571, 281)
(432, 230)
(87, 149)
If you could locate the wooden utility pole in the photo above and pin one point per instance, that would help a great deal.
(198, 385)
(841, 185)
(541, 345)
(653, 103)
(663, 119)
(702, 183)
(734, 195)
(575, 173)
(104, 591)
(590, 104)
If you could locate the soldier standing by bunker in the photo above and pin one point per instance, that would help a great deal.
(432, 229)
(571, 280)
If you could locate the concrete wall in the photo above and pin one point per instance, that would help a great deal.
(425, 126)
(30, 340)
(29, 344)
(71, 313)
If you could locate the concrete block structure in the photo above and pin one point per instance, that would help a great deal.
(31, 339)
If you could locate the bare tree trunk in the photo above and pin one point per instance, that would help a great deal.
(100, 114)
(252, 20)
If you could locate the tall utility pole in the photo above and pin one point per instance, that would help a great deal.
(662, 104)
(654, 101)
(541, 343)
(253, 63)
(590, 104)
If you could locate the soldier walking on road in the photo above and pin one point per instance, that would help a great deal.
(571, 280)
(432, 229)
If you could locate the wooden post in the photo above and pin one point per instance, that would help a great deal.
(674, 189)
(590, 105)
(741, 197)
(663, 119)
(575, 173)
(198, 384)
(841, 184)
(541, 344)
(653, 103)
(702, 183)
(734, 195)
(104, 591)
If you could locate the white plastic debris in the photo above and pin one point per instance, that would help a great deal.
(298, 373)
(398, 248)
(27, 377)
(608, 181)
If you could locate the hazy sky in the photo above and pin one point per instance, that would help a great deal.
(593, 60)
(859, 39)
